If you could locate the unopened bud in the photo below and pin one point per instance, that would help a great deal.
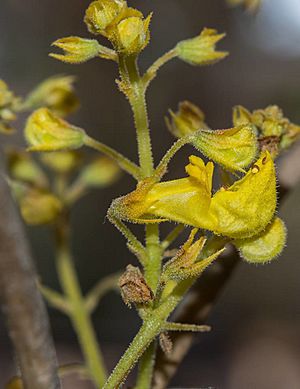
(100, 173)
(201, 49)
(249, 5)
(56, 93)
(62, 161)
(47, 132)
(39, 208)
(235, 148)
(132, 35)
(188, 119)
(8, 105)
(76, 49)
(240, 116)
(23, 168)
(103, 14)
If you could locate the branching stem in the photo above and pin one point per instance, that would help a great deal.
(124, 163)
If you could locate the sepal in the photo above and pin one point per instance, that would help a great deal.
(234, 148)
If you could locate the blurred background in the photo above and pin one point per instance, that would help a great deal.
(255, 342)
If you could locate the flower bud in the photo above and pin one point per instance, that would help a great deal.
(270, 121)
(266, 246)
(132, 35)
(249, 5)
(291, 135)
(46, 132)
(39, 208)
(188, 119)
(234, 148)
(240, 116)
(201, 49)
(100, 173)
(62, 162)
(56, 93)
(23, 168)
(8, 105)
(103, 14)
(76, 49)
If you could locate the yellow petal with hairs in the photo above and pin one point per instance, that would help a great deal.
(267, 246)
(248, 206)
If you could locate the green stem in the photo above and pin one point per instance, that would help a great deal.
(152, 267)
(130, 76)
(124, 163)
(78, 313)
(105, 285)
(146, 367)
(163, 165)
(153, 264)
(134, 243)
(152, 71)
(150, 328)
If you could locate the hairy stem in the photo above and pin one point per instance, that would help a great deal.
(79, 314)
(152, 266)
(146, 367)
(151, 327)
(105, 285)
(152, 71)
(124, 163)
(130, 75)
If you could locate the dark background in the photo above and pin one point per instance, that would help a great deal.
(255, 339)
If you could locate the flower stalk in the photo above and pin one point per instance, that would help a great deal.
(78, 311)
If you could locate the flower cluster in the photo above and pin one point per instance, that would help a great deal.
(275, 132)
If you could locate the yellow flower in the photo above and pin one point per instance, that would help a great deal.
(46, 132)
(241, 211)
(201, 49)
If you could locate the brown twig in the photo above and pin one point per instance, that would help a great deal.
(22, 304)
(199, 303)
